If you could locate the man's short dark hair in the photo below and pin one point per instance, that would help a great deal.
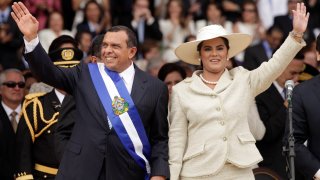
(132, 39)
(95, 48)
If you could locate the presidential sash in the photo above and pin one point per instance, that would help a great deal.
(122, 113)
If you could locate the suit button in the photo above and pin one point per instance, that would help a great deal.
(225, 139)
(222, 123)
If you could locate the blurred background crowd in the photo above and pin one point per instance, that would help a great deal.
(162, 25)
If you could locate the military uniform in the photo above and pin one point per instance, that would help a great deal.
(35, 137)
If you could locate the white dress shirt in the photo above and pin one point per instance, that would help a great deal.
(280, 89)
(9, 111)
(59, 95)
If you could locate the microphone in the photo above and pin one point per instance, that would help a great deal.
(289, 85)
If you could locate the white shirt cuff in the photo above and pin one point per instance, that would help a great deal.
(150, 21)
(317, 175)
(30, 46)
(134, 24)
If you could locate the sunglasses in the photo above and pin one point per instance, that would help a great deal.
(11, 84)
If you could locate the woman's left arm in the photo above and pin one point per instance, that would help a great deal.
(262, 77)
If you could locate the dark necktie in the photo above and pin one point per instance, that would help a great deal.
(13, 120)
(141, 30)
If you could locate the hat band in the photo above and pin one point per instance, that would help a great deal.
(66, 62)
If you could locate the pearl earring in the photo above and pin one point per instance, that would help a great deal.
(199, 59)
(227, 59)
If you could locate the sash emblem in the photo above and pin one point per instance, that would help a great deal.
(119, 105)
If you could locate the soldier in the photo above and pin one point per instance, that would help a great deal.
(35, 135)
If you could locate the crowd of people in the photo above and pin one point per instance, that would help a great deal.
(177, 90)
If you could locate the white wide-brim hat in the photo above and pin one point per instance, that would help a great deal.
(237, 42)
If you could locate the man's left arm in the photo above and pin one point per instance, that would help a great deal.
(305, 161)
(159, 137)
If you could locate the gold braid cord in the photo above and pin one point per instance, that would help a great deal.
(32, 99)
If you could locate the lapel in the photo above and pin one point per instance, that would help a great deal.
(67, 100)
(6, 125)
(53, 102)
(275, 95)
(224, 81)
(139, 85)
(316, 88)
(262, 53)
(198, 86)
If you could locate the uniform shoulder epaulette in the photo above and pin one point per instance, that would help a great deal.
(34, 95)
(33, 114)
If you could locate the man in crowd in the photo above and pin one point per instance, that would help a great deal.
(12, 85)
(306, 113)
(273, 112)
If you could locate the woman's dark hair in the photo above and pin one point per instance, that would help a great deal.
(181, 18)
(169, 68)
(218, 5)
(50, 16)
(225, 41)
(85, 19)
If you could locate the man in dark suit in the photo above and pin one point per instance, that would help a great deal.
(35, 146)
(142, 22)
(11, 90)
(306, 113)
(263, 51)
(128, 140)
(67, 113)
(272, 110)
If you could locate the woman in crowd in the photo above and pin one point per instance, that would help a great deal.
(53, 30)
(174, 29)
(171, 74)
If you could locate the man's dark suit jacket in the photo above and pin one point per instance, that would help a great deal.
(306, 122)
(151, 31)
(93, 146)
(284, 22)
(273, 114)
(7, 146)
(65, 124)
(254, 56)
(84, 27)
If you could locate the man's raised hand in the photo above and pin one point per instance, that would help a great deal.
(27, 23)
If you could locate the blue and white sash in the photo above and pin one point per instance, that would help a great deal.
(122, 113)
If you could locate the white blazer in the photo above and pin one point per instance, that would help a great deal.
(210, 127)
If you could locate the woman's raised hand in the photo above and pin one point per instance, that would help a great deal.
(300, 18)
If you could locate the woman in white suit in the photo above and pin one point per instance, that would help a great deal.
(209, 136)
